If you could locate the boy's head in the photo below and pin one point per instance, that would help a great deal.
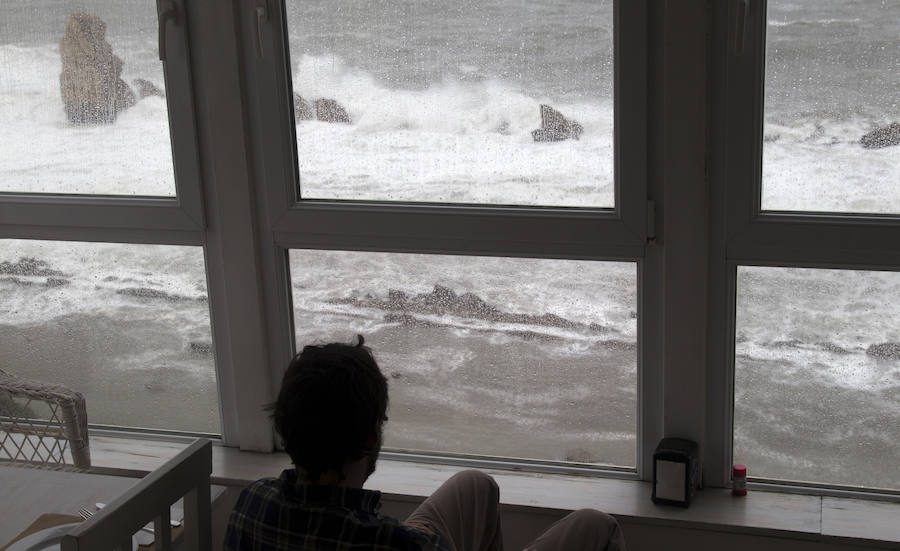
(331, 407)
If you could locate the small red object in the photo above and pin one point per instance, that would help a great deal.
(739, 477)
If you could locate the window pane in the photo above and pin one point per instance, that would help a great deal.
(489, 356)
(817, 375)
(832, 118)
(81, 112)
(443, 97)
(125, 325)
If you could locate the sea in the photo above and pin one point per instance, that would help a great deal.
(523, 358)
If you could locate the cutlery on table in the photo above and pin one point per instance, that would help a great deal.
(86, 513)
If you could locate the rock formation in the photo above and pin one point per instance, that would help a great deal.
(882, 137)
(555, 127)
(91, 88)
(328, 110)
(303, 110)
(145, 88)
(884, 351)
(322, 109)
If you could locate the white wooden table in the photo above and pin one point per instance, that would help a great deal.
(27, 493)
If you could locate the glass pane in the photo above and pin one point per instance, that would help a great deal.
(125, 325)
(489, 356)
(441, 101)
(82, 106)
(832, 118)
(817, 375)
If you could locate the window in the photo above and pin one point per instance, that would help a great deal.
(125, 325)
(102, 266)
(67, 73)
(508, 357)
(426, 175)
(816, 375)
(828, 130)
(806, 264)
(442, 102)
(715, 199)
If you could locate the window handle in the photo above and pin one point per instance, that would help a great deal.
(168, 13)
(262, 16)
(740, 35)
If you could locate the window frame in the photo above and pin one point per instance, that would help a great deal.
(745, 235)
(126, 219)
(620, 233)
(181, 213)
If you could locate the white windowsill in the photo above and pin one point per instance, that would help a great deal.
(817, 518)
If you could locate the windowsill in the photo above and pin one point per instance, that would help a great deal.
(816, 518)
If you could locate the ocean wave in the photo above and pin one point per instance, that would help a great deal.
(452, 107)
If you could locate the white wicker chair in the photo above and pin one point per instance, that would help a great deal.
(42, 441)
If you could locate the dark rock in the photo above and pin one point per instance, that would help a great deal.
(18, 281)
(619, 345)
(202, 348)
(534, 336)
(328, 110)
(56, 282)
(90, 84)
(408, 320)
(145, 88)
(401, 308)
(884, 351)
(833, 348)
(146, 292)
(27, 266)
(882, 137)
(397, 299)
(597, 328)
(303, 110)
(555, 127)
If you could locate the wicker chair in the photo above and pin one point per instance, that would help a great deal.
(30, 438)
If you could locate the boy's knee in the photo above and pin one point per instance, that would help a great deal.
(481, 481)
(592, 518)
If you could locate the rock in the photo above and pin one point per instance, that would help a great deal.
(91, 88)
(303, 110)
(27, 266)
(201, 348)
(882, 137)
(555, 127)
(328, 110)
(884, 351)
(146, 292)
(145, 88)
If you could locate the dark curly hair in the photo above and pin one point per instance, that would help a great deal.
(331, 398)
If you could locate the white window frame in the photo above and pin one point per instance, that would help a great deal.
(140, 217)
(745, 235)
(178, 220)
(620, 233)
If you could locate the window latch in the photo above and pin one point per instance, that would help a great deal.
(168, 13)
(262, 16)
(740, 34)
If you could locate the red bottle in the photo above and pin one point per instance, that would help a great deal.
(739, 477)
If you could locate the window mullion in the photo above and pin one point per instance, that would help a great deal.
(233, 257)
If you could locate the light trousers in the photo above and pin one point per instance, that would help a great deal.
(465, 512)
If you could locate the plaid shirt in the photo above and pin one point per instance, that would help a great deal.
(275, 514)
